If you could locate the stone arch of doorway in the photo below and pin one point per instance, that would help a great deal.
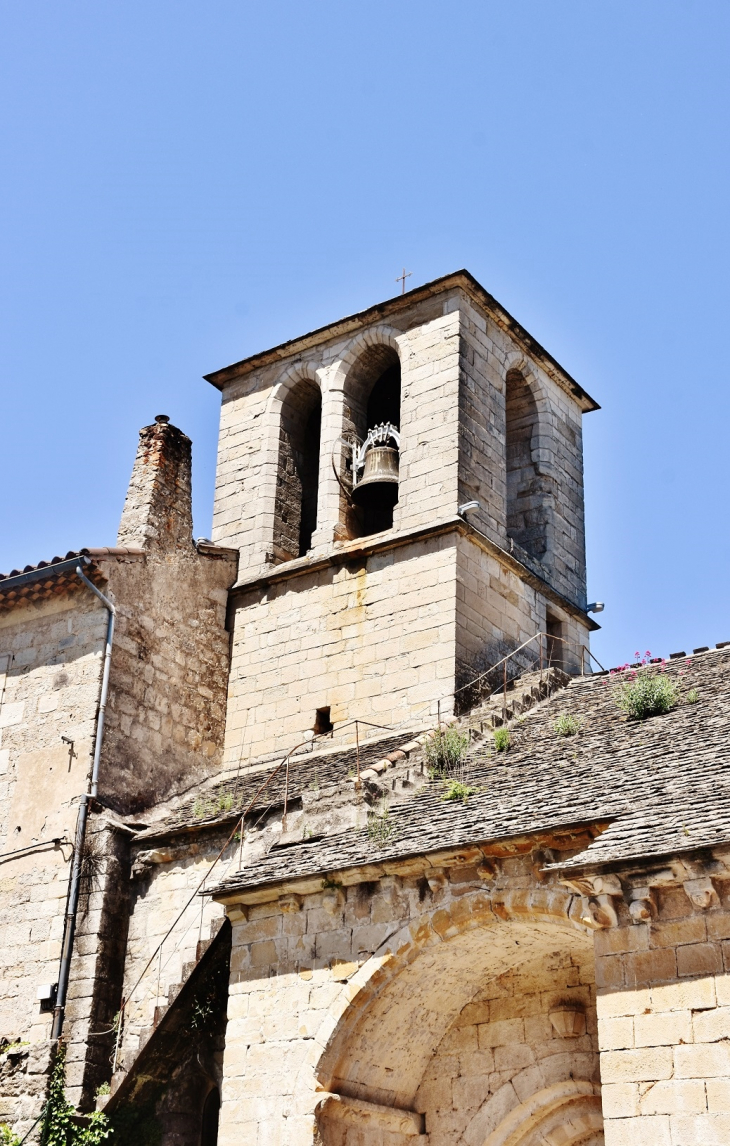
(572, 1108)
(407, 998)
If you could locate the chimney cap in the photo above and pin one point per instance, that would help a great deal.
(162, 417)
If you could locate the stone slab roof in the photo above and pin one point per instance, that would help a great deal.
(662, 783)
(224, 802)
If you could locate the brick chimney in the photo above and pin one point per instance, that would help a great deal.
(157, 514)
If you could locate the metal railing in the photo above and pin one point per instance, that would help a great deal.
(544, 658)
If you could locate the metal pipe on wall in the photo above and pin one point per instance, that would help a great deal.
(69, 930)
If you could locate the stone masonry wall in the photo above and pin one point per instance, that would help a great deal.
(157, 512)
(170, 663)
(51, 654)
(486, 357)
(664, 1022)
(169, 675)
(373, 639)
(496, 611)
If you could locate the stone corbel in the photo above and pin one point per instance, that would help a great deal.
(540, 859)
(642, 908)
(436, 879)
(598, 892)
(701, 892)
(333, 900)
(290, 904)
(487, 870)
(145, 860)
(568, 1020)
(598, 912)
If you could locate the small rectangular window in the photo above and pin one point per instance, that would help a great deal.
(322, 722)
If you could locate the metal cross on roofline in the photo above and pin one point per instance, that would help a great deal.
(402, 280)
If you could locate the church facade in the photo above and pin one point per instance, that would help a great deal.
(331, 829)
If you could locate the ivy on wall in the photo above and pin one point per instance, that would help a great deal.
(60, 1123)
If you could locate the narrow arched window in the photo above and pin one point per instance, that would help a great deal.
(297, 479)
(373, 395)
(526, 508)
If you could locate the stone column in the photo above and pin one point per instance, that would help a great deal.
(329, 513)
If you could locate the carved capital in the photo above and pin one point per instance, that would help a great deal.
(369, 1116)
(597, 893)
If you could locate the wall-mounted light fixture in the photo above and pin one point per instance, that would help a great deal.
(467, 507)
(595, 607)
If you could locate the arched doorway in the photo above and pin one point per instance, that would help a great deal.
(487, 1038)
(211, 1115)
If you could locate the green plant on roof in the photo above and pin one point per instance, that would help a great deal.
(456, 790)
(213, 806)
(7, 1137)
(644, 694)
(102, 1089)
(501, 739)
(693, 696)
(566, 725)
(380, 827)
(445, 749)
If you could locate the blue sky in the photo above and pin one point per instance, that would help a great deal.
(183, 184)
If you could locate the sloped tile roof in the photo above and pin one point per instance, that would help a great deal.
(663, 783)
(55, 577)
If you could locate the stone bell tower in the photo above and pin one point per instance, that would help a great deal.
(367, 587)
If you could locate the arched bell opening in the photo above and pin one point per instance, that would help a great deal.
(527, 493)
(297, 479)
(488, 1037)
(372, 421)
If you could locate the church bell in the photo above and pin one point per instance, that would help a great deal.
(378, 486)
